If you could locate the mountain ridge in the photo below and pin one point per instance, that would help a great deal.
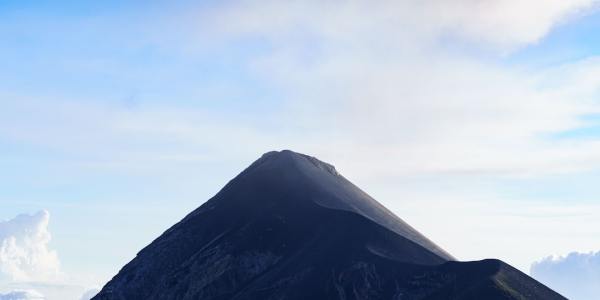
(291, 227)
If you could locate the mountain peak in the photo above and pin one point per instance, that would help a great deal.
(323, 185)
(289, 158)
(291, 227)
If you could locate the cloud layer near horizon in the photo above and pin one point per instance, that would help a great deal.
(576, 275)
(22, 295)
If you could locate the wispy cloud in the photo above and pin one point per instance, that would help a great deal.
(504, 24)
(375, 80)
(381, 79)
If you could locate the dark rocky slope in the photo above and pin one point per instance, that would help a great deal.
(291, 227)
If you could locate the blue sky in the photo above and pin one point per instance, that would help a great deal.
(568, 42)
(118, 119)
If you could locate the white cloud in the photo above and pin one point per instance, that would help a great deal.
(576, 276)
(90, 294)
(30, 269)
(510, 22)
(24, 252)
(22, 295)
(50, 291)
(376, 80)
(500, 23)
(430, 118)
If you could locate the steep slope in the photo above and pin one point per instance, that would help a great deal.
(290, 227)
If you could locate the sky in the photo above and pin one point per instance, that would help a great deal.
(477, 122)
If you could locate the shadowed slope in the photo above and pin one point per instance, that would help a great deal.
(291, 227)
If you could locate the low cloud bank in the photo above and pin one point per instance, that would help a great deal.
(22, 295)
(89, 294)
(24, 252)
(576, 276)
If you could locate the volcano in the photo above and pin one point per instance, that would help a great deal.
(291, 227)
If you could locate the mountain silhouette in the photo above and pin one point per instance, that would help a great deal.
(291, 227)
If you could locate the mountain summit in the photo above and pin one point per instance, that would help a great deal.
(291, 227)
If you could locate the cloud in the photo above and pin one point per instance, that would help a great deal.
(504, 24)
(24, 252)
(338, 66)
(509, 23)
(395, 90)
(22, 295)
(90, 294)
(431, 118)
(50, 291)
(342, 65)
(576, 276)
